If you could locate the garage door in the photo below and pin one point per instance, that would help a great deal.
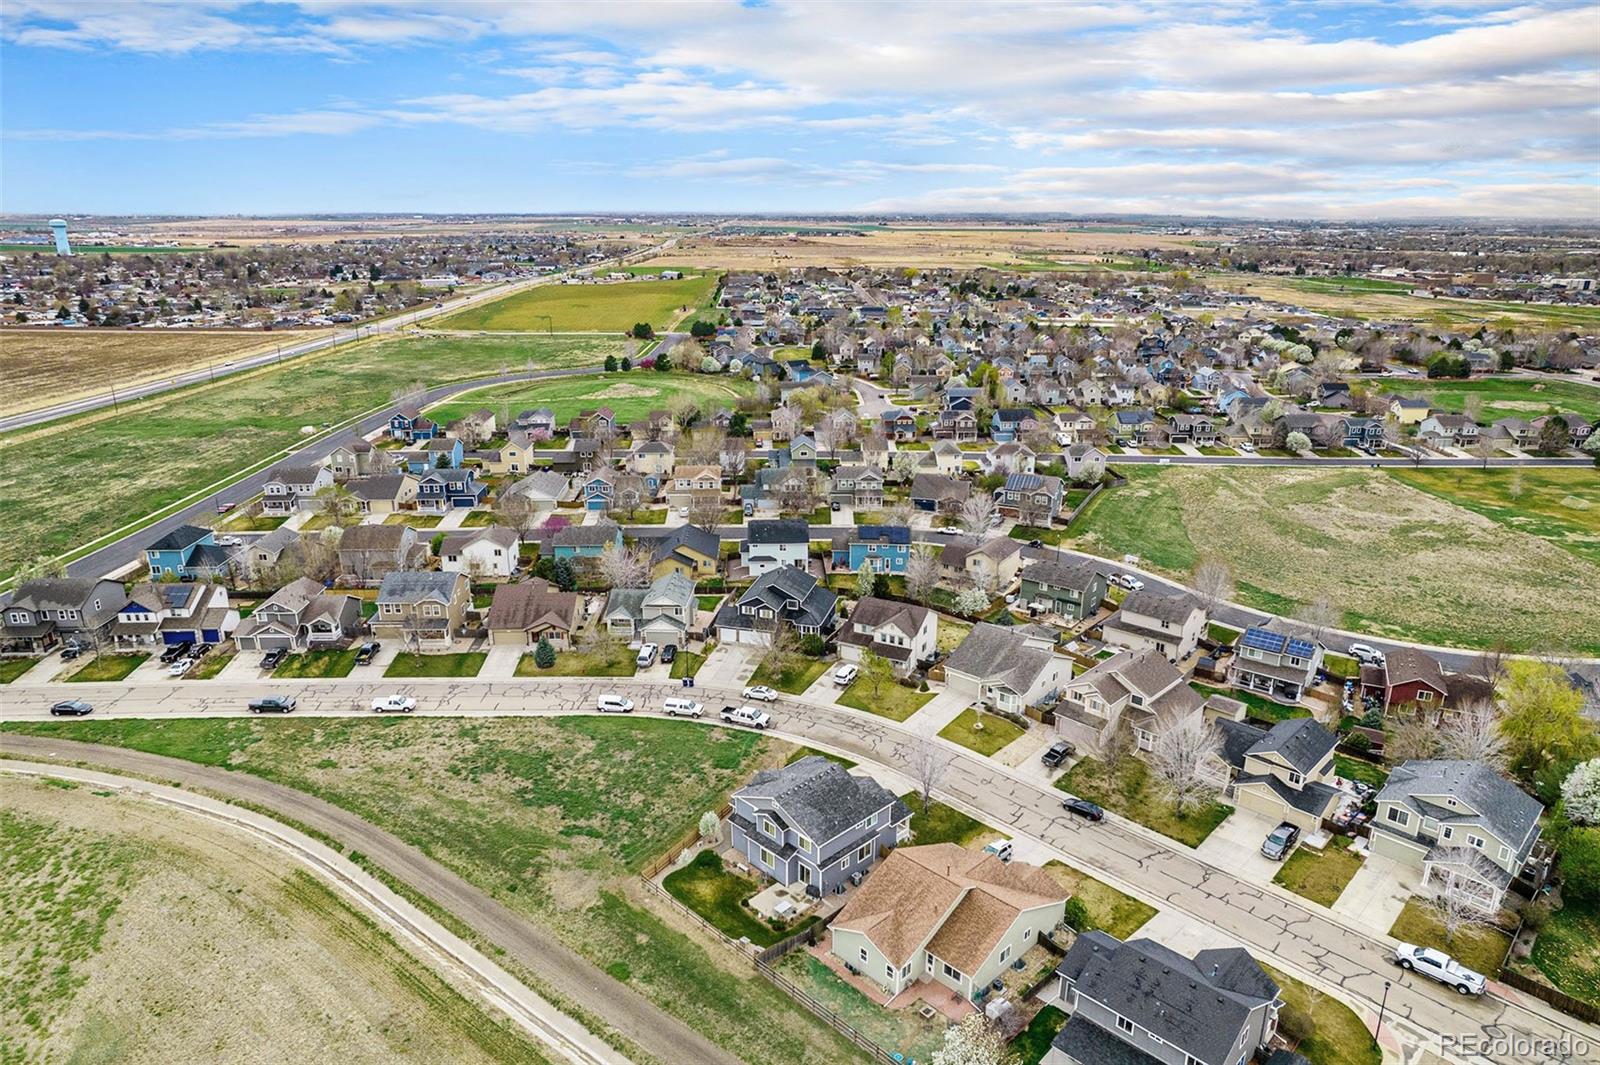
(274, 642)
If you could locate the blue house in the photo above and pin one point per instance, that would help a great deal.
(408, 424)
(441, 490)
(1362, 432)
(584, 541)
(799, 369)
(187, 551)
(598, 489)
(1007, 422)
(882, 548)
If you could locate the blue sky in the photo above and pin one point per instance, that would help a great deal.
(1235, 108)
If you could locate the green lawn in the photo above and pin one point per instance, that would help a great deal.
(614, 660)
(804, 752)
(1339, 1036)
(1356, 769)
(1502, 397)
(479, 519)
(246, 522)
(95, 470)
(1475, 946)
(944, 824)
(1130, 791)
(631, 395)
(1567, 951)
(1033, 1043)
(1342, 666)
(1319, 876)
(894, 701)
(12, 668)
(1052, 536)
(717, 893)
(317, 664)
(1109, 909)
(1259, 706)
(899, 1031)
(951, 632)
(796, 677)
(1220, 633)
(996, 732)
(604, 308)
(416, 521)
(108, 667)
(460, 664)
(686, 664)
(210, 666)
(1561, 505)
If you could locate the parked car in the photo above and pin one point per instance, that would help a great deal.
(1057, 753)
(1247, 447)
(70, 651)
(746, 715)
(175, 652)
(71, 708)
(273, 659)
(1083, 808)
(683, 708)
(1129, 581)
(668, 653)
(367, 652)
(1280, 841)
(393, 704)
(223, 508)
(229, 541)
(1436, 965)
(612, 703)
(845, 674)
(761, 693)
(180, 667)
(647, 655)
(1000, 848)
(272, 704)
(1366, 654)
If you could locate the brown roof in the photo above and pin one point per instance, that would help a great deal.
(532, 604)
(963, 899)
(1406, 665)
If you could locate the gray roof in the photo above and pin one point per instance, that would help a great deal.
(1061, 574)
(1085, 1041)
(407, 587)
(179, 538)
(1300, 741)
(586, 535)
(1161, 606)
(776, 588)
(777, 531)
(996, 654)
(1506, 809)
(692, 536)
(819, 797)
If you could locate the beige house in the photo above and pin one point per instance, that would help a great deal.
(1140, 688)
(1151, 621)
(422, 611)
(1284, 773)
(948, 458)
(1000, 667)
(523, 613)
(653, 459)
(515, 456)
(994, 563)
(385, 493)
(899, 632)
(691, 482)
(945, 913)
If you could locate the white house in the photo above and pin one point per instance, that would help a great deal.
(774, 544)
(1169, 624)
(902, 633)
(488, 552)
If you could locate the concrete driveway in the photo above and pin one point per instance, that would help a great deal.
(1236, 847)
(730, 665)
(1377, 893)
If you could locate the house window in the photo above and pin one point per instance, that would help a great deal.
(888, 970)
(1449, 833)
(766, 857)
(1474, 841)
(1424, 696)
(952, 972)
(1125, 1025)
(932, 961)
(1005, 954)
(1505, 853)
(1398, 816)
(863, 852)
(863, 954)
(1295, 778)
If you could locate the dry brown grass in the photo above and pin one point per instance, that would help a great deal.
(44, 366)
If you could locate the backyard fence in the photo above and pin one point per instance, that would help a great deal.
(831, 1019)
(806, 937)
(1584, 1011)
(687, 840)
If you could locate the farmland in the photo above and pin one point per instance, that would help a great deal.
(1503, 397)
(1364, 298)
(100, 471)
(103, 893)
(1395, 560)
(609, 307)
(631, 395)
(52, 365)
(564, 813)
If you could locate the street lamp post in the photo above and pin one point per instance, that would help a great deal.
(1382, 1008)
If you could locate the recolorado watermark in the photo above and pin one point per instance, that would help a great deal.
(1531, 1048)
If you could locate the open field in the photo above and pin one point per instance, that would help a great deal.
(1559, 505)
(563, 814)
(1397, 561)
(1361, 299)
(1503, 397)
(632, 395)
(133, 933)
(46, 366)
(100, 471)
(607, 307)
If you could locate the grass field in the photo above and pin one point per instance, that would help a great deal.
(107, 667)
(632, 395)
(1477, 947)
(461, 664)
(615, 660)
(1034, 1043)
(1109, 909)
(43, 366)
(1503, 397)
(12, 668)
(1395, 560)
(611, 307)
(1339, 1036)
(563, 813)
(1555, 504)
(1362, 298)
(1129, 790)
(103, 470)
(102, 893)
(794, 678)
(1567, 951)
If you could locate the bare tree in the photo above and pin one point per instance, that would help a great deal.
(1471, 732)
(706, 510)
(977, 514)
(1410, 737)
(684, 411)
(922, 573)
(409, 395)
(625, 567)
(734, 456)
(928, 764)
(338, 503)
(516, 511)
(1185, 760)
(903, 465)
(1484, 450)
(1459, 899)
(797, 492)
(783, 646)
(628, 495)
(1317, 617)
(1213, 583)
(702, 447)
(899, 513)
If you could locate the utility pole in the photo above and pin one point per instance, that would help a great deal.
(1382, 1007)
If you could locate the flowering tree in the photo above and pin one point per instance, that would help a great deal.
(1580, 793)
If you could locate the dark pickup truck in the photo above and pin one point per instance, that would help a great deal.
(272, 704)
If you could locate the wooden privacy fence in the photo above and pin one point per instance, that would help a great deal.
(684, 842)
(826, 1015)
(1562, 1001)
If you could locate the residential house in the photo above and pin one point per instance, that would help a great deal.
(165, 614)
(1138, 688)
(948, 458)
(1432, 813)
(1008, 423)
(583, 541)
(1363, 432)
(995, 666)
(265, 552)
(514, 457)
(1454, 429)
(898, 423)
(598, 488)
(960, 426)
(522, 614)
(692, 483)
(409, 425)
(1409, 410)
(435, 454)
(543, 488)
(1191, 429)
(1134, 426)
(1140, 1003)
(489, 551)
(771, 544)
(298, 616)
(939, 493)
(477, 426)
(881, 548)
(654, 461)
(1577, 429)
(1033, 498)
(387, 493)
(1008, 458)
(946, 914)
(785, 595)
(1518, 432)
(688, 549)
(992, 563)
(662, 614)
(443, 490)
(1086, 464)
(44, 611)
(369, 552)
(1074, 590)
(901, 633)
(1275, 664)
(1073, 423)
(292, 488)
(857, 486)
(354, 459)
(1284, 773)
(422, 611)
(814, 825)
(1169, 624)
(187, 552)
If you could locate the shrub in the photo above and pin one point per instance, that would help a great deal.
(1076, 915)
(1536, 914)
(611, 364)
(1580, 865)
(1295, 1024)
(1358, 742)
(813, 645)
(544, 655)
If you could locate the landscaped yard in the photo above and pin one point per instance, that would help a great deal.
(1319, 875)
(944, 824)
(1355, 769)
(708, 887)
(1052, 536)
(891, 700)
(984, 733)
(416, 521)
(1475, 946)
(1034, 1043)
(1339, 1036)
(210, 666)
(313, 665)
(1129, 790)
(605, 308)
(631, 395)
(459, 664)
(798, 674)
(610, 660)
(1109, 909)
(1567, 951)
(1259, 707)
(12, 668)
(107, 667)
(686, 664)
(951, 632)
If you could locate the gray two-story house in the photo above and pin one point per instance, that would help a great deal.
(49, 609)
(813, 823)
(1284, 773)
(1276, 664)
(1140, 1002)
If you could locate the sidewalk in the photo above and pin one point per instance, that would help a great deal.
(939, 712)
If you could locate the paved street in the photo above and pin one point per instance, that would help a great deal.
(1316, 944)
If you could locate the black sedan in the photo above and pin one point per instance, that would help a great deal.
(1083, 808)
(71, 708)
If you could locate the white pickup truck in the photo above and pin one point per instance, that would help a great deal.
(393, 704)
(1439, 966)
(746, 715)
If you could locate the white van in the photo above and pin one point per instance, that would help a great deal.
(1000, 848)
(647, 656)
(612, 703)
(845, 674)
(683, 708)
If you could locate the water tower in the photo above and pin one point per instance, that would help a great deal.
(58, 226)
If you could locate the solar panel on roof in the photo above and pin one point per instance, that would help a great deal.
(1301, 648)
(1263, 640)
